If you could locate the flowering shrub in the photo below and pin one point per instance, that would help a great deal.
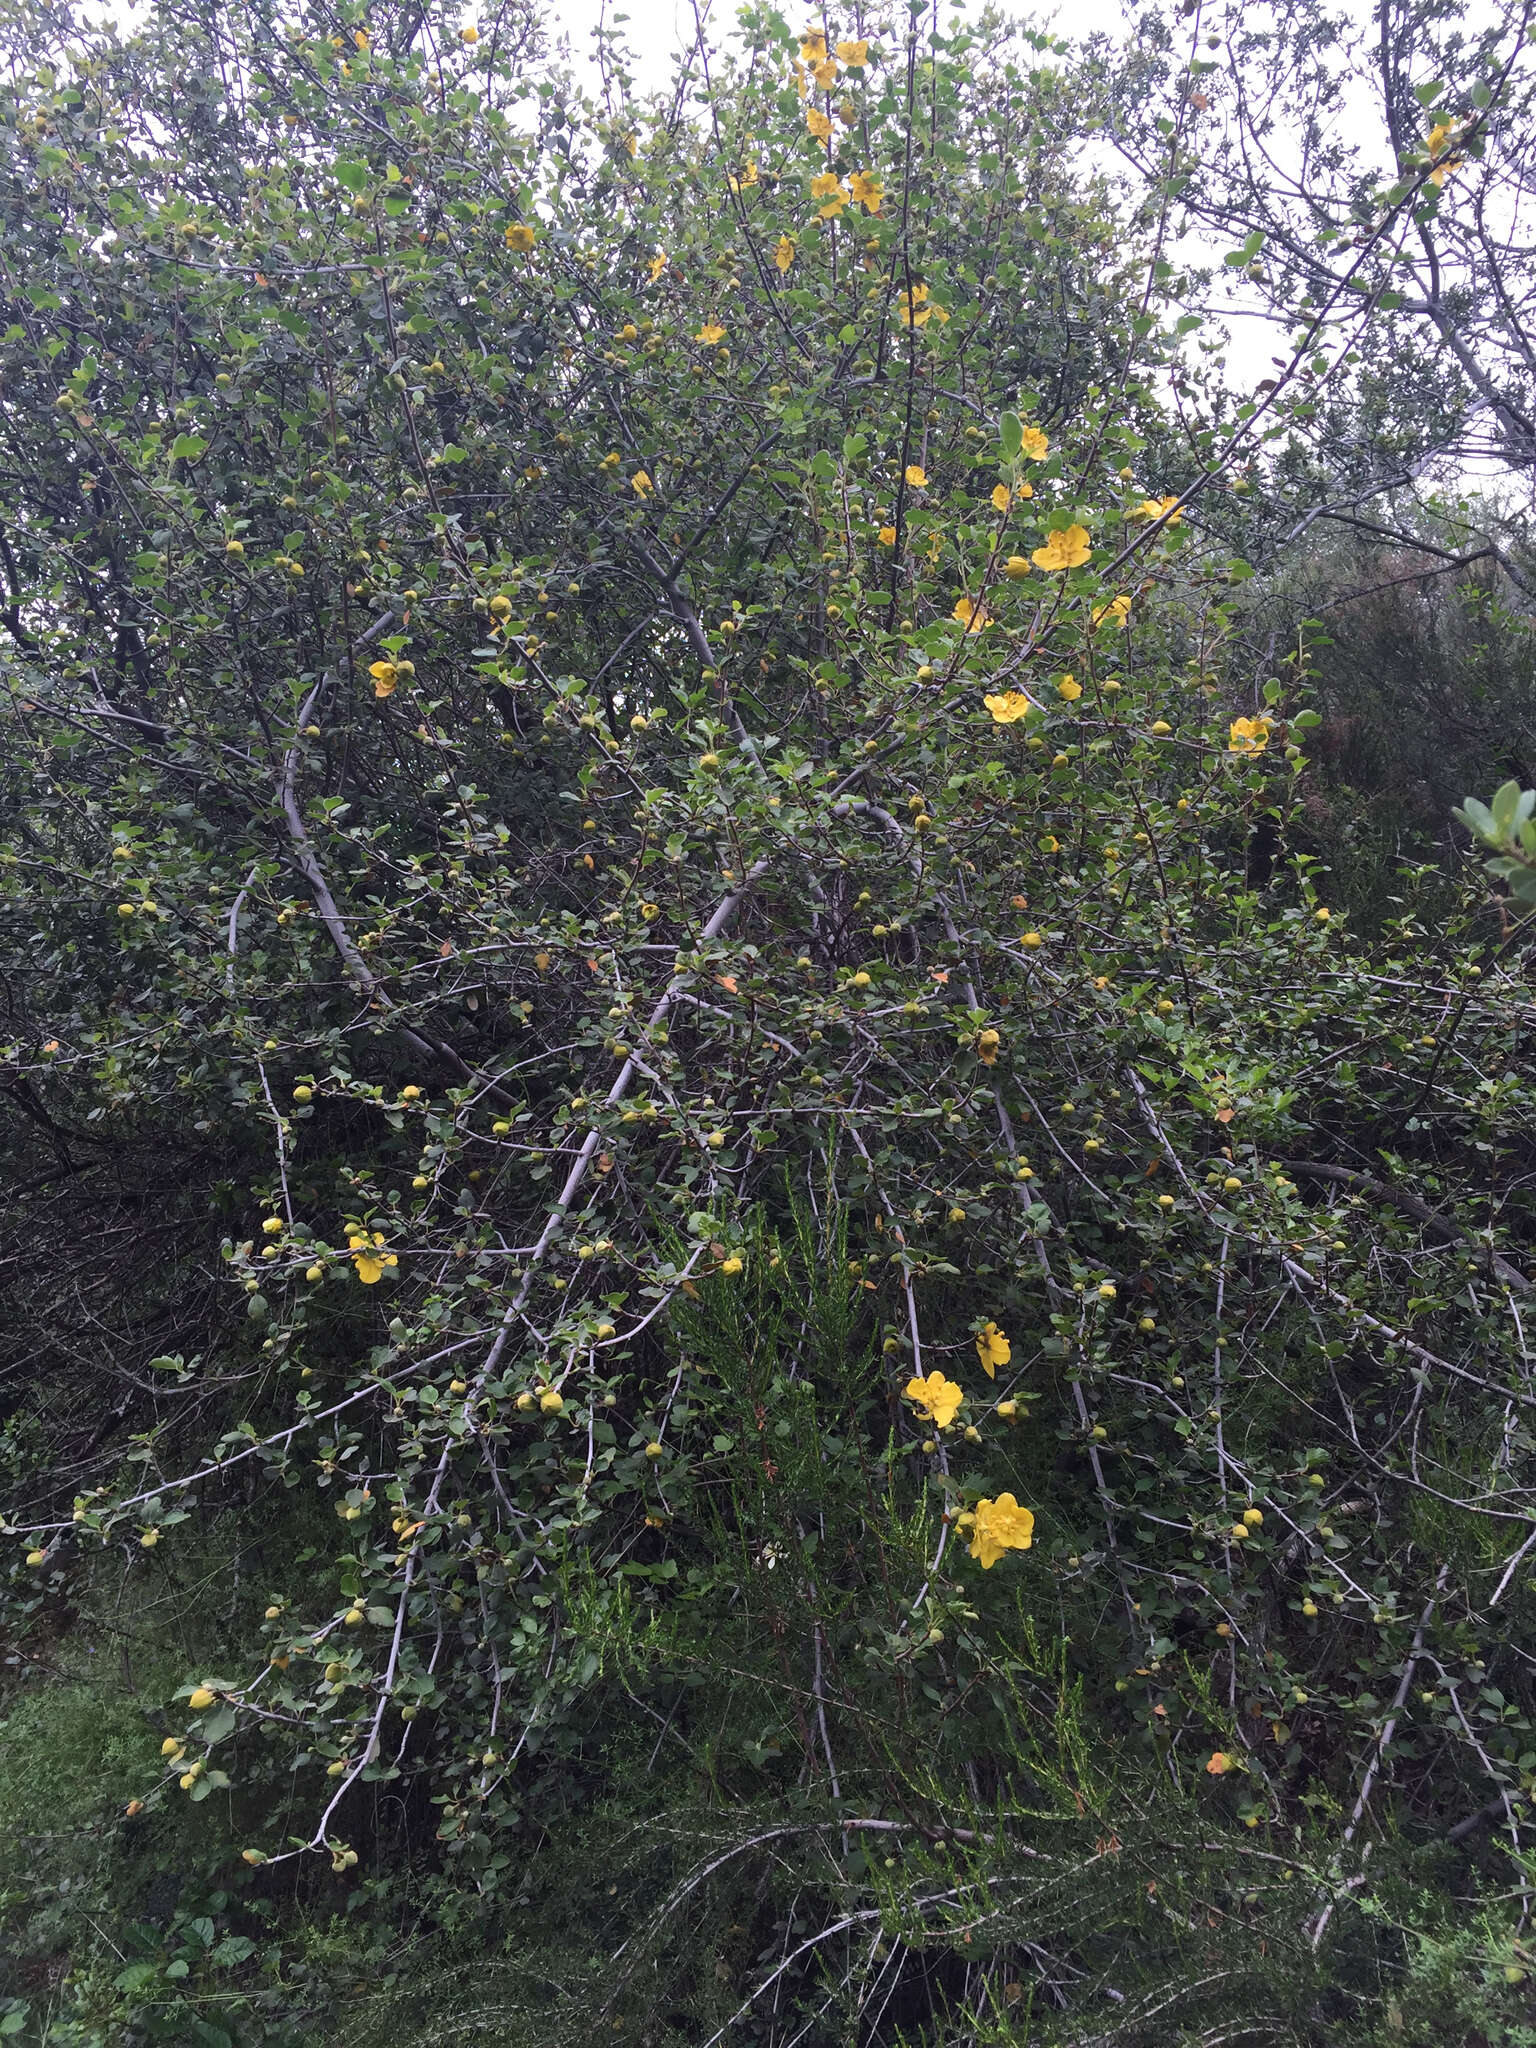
(657, 1053)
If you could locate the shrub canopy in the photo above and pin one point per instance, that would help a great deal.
(673, 1069)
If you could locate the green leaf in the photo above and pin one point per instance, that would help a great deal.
(1010, 436)
(1477, 818)
(354, 176)
(187, 447)
(1506, 808)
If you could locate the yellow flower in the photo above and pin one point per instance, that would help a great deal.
(657, 264)
(1002, 497)
(936, 1399)
(867, 191)
(370, 1260)
(641, 484)
(747, 178)
(986, 1051)
(783, 254)
(710, 333)
(915, 311)
(1117, 609)
(632, 145)
(1438, 137)
(1010, 706)
(1000, 1525)
(1157, 508)
(1068, 550)
(887, 536)
(1219, 1764)
(829, 187)
(854, 54)
(974, 617)
(1016, 568)
(1248, 736)
(520, 237)
(1035, 444)
(992, 1347)
(819, 124)
(469, 35)
(1069, 688)
(916, 475)
(385, 676)
(813, 46)
(825, 73)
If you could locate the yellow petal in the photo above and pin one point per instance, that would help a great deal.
(1009, 706)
